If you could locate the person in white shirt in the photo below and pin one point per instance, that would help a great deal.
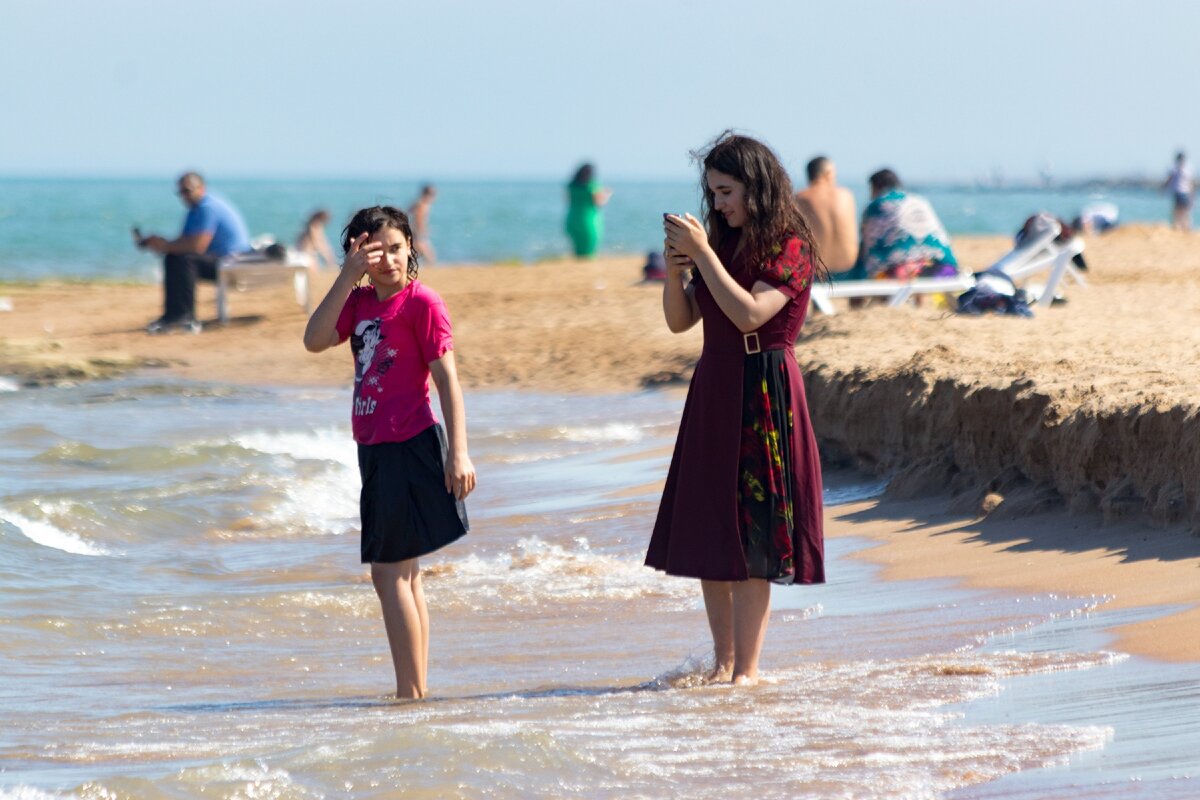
(1179, 183)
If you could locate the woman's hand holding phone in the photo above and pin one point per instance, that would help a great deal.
(685, 234)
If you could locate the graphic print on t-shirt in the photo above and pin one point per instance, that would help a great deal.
(372, 360)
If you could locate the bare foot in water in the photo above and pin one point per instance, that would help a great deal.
(745, 680)
(719, 674)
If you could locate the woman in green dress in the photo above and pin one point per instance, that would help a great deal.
(585, 223)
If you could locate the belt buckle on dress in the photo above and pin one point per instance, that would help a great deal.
(751, 349)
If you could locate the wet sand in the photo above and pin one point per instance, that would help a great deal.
(1060, 453)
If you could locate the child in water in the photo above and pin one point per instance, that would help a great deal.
(414, 481)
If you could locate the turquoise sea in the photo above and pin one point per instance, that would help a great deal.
(74, 228)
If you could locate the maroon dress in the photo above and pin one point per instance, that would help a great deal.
(743, 494)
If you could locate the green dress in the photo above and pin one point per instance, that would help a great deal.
(585, 225)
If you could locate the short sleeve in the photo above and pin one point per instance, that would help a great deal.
(345, 323)
(200, 219)
(790, 267)
(431, 326)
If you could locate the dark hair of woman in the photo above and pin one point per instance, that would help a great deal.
(772, 212)
(884, 181)
(585, 174)
(371, 220)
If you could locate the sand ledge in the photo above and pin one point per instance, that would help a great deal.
(1010, 449)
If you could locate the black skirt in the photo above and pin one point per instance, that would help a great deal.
(405, 508)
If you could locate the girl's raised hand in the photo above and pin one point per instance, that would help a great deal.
(361, 256)
(685, 234)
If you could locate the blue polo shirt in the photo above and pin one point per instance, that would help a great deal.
(214, 214)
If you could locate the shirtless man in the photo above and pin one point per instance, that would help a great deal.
(830, 211)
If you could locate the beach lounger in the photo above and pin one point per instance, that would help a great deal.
(251, 270)
(897, 291)
(1040, 254)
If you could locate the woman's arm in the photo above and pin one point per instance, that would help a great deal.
(460, 472)
(321, 332)
(679, 303)
(747, 310)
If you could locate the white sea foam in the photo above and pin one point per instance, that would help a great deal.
(610, 432)
(325, 444)
(328, 503)
(323, 500)
(47, 535)
(8, 384)
(28, 793)
(538, 571)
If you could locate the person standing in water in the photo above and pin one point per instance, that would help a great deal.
(414, 481)
(742, 506)
(585, 220)
(313, 241)
(418, 214)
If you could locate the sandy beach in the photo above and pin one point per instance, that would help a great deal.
(1060, 453)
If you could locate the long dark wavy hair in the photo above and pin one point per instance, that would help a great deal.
(772, 212)
(371, 220)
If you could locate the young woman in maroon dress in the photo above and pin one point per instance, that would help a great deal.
(742, 504)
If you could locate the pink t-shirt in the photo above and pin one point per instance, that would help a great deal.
(393, 342)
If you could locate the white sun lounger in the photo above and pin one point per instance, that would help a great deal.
(897, 291)
(1057, 259)
(251, 270)
(1041, 254)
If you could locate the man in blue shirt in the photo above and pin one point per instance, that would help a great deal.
(212, 230)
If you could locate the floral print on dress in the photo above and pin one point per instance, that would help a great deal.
(765, 504)
(790, 266)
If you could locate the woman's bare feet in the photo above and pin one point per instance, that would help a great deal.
(745, 680)
(720, 674)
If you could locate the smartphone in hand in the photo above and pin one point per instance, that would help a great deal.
(138, 239)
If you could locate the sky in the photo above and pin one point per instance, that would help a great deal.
(946, 90)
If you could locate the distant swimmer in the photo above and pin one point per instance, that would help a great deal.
(832, 214)
(418, 213)
(1179, 183)
(1097, 218)
(312, 240)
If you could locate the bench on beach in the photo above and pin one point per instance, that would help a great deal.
(253, 270)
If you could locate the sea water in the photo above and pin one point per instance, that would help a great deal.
(184, 614)
(80, 229)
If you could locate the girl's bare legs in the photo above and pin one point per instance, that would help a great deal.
(423, 613)
(718, 604)
(397, 584)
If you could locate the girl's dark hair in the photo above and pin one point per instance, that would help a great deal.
(772, 212)
(371, 220)
(585, 174)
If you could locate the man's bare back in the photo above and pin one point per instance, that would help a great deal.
(830, 211)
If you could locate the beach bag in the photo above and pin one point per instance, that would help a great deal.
(994, 292)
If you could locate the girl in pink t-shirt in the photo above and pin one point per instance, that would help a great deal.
(414, 480)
